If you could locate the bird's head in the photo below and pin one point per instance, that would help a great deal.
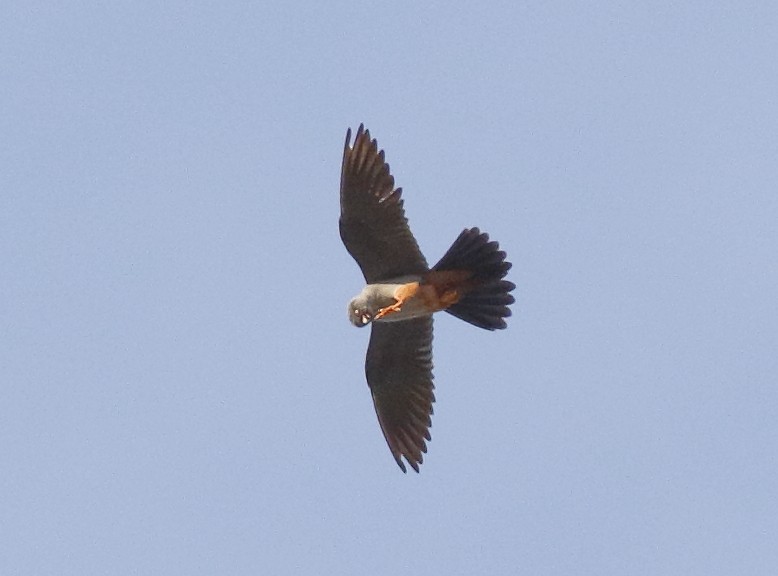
(359, 312)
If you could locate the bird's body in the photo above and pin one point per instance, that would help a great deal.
(408, 297)
(381, 296)
(402, 294)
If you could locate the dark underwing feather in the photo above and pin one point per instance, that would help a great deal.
(399, 373)
(373, 225)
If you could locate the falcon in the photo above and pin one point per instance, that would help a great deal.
(402, 293)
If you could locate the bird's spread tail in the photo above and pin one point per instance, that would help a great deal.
(485, 300)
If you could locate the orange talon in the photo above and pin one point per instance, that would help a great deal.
(396, 307)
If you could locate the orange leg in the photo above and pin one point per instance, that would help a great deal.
(396, 307)
(401, 296)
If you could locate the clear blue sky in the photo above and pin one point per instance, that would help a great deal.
(181, 391)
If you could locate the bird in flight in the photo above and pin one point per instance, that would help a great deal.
(403, 292)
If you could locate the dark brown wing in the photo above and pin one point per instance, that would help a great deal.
(372, 220)
(399, 373)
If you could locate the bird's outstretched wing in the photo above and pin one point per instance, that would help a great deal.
(399, 373)
(372, 220)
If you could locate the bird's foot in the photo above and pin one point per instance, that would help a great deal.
(396, 307)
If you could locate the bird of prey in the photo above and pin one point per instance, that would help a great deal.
(403, 292)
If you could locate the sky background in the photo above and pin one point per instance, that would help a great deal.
(181, 391)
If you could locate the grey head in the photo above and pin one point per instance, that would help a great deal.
(360, 313)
